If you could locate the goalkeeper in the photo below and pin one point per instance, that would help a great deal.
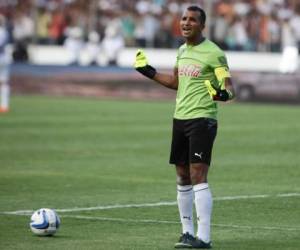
(201, 78)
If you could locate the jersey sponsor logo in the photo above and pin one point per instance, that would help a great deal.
(191, 70)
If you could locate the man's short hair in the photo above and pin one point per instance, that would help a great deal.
(202, 16)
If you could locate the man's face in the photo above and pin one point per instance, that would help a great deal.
(190, 24)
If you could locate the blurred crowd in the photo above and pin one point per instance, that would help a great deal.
(247, 25)
(260, 25)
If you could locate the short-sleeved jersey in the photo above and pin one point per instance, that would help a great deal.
(195, 65)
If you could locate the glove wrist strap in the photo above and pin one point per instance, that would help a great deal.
(147, 71)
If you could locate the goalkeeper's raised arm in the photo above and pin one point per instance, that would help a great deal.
(142, 66)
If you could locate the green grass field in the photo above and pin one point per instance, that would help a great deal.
(68, 153)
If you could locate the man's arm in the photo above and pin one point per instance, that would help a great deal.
(142, 66)
(229, 86)
(225, 91)
(169, 81)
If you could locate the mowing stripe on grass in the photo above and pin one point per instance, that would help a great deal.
(158, 204)
(176, 222)
(152, 221)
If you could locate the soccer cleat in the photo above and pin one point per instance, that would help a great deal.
(189, 241)
(3, 110)
(199, 244)
(185, 241)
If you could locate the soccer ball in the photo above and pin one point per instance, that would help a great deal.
(44, 222)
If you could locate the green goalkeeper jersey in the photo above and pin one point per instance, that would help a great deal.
(195, 65)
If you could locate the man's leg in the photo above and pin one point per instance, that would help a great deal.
(5, 92)
(203, 200)
(185, 194)
(202, 135)
(185, 198)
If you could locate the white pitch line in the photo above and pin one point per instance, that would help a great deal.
(177, 222)
(288, 195)
(152, 221)
(258, 227)
(157, 204)
(120, 219)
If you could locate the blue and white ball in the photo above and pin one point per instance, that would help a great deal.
(44, 222)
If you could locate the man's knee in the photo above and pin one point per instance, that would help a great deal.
(199, 173)
(183, 175)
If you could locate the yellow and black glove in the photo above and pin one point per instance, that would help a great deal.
(142, 66)
(218, 94)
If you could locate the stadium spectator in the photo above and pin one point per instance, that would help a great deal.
(274, 31)
(287, 35)
(237, 37)
(43, 21)
(140, 31)
(74, 43)
(57, 27)
(164, 37)
(151, 24)
(221, 24)
(263, 33)
(113, 40)
(128, 27)
(289, 60)
(23, 31)
(177, 39)
(252, 24)
(90, 53)
(295, 25)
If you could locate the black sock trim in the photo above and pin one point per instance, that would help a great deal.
(183, 191)
(200, 189)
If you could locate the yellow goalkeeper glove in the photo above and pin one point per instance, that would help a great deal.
(221, 94)
(142, 66)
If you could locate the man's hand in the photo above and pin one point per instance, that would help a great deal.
(141, 65)
(221, 94)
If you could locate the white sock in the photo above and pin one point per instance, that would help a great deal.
(203, 203)
(4, 90)
(185, 197)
